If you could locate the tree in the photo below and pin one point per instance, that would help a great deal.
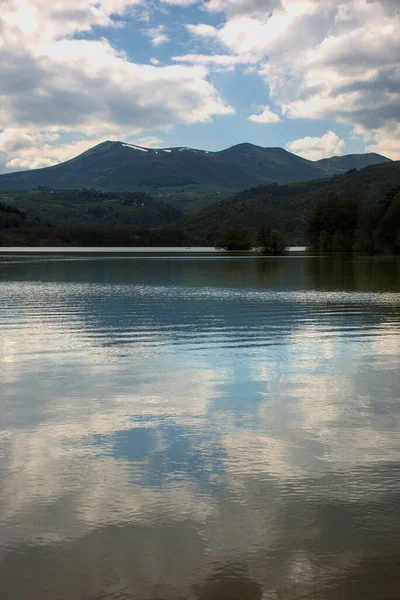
(234, 239)
(271, 241)
(334, 222)
(388, 231)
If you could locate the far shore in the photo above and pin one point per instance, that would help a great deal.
(130, 249)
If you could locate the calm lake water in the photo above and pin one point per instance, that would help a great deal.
(199, 427)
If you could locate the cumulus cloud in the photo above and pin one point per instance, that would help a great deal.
(267, 116)
(315, 148)
(386, 140)
(59, 18)
(337, 59)
(53, 83)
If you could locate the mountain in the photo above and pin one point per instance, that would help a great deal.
(289, 207)
(341, 164)
(270, 165)
(119, 166)
(184, 177)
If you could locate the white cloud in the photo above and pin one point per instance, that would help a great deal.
(336, 59)
(157, 35)
(38, 149)
(315, 148)
(387, 140)
(217, 62)
(55, 18)
(52, 83)
(203, 30)
(267, 116)
(180, 2)
(237, 7)
(148, 141)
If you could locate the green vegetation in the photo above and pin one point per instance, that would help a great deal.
(10, 217)
(268, 240)
(289, 208)
(271, 241)
(342, 224)
(71, 208)
(17, 229)
(352, 212)
(234, 239)
(36, 234)
(192, 198)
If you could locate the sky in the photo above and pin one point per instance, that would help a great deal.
(317, 77)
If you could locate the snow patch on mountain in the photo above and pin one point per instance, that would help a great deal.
(135, 147)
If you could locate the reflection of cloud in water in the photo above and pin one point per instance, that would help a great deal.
(264, 467)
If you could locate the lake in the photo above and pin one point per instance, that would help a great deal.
(199, 426)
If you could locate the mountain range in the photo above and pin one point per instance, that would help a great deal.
(287, 207)
(179, 175)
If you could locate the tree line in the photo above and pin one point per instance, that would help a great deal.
(340, 223)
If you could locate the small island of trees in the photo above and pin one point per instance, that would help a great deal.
(267, 240)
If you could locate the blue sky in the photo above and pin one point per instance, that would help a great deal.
(318, 77)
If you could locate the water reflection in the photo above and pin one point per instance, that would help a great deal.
(199, 428)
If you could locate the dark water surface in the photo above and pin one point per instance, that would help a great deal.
(199, 427)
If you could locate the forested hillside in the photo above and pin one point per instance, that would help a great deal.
(92, 208)
(289, 207)
(89, 217)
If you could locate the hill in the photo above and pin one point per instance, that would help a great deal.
(186, 178)
(341, 164)
(289, 207)
(18, 229)
(68, 208)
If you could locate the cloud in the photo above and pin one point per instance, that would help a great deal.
(53, 83)
(180, 2)
(239, 7)
(217, 62)
(336, 60)
(59, 18)
(157, 35)
(267, 116)
(148, 141)
(86, 85)
(387, 140)
(203, 30)
(315, 148)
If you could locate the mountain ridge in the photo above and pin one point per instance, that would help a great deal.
(123, 217)
(175, 174)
